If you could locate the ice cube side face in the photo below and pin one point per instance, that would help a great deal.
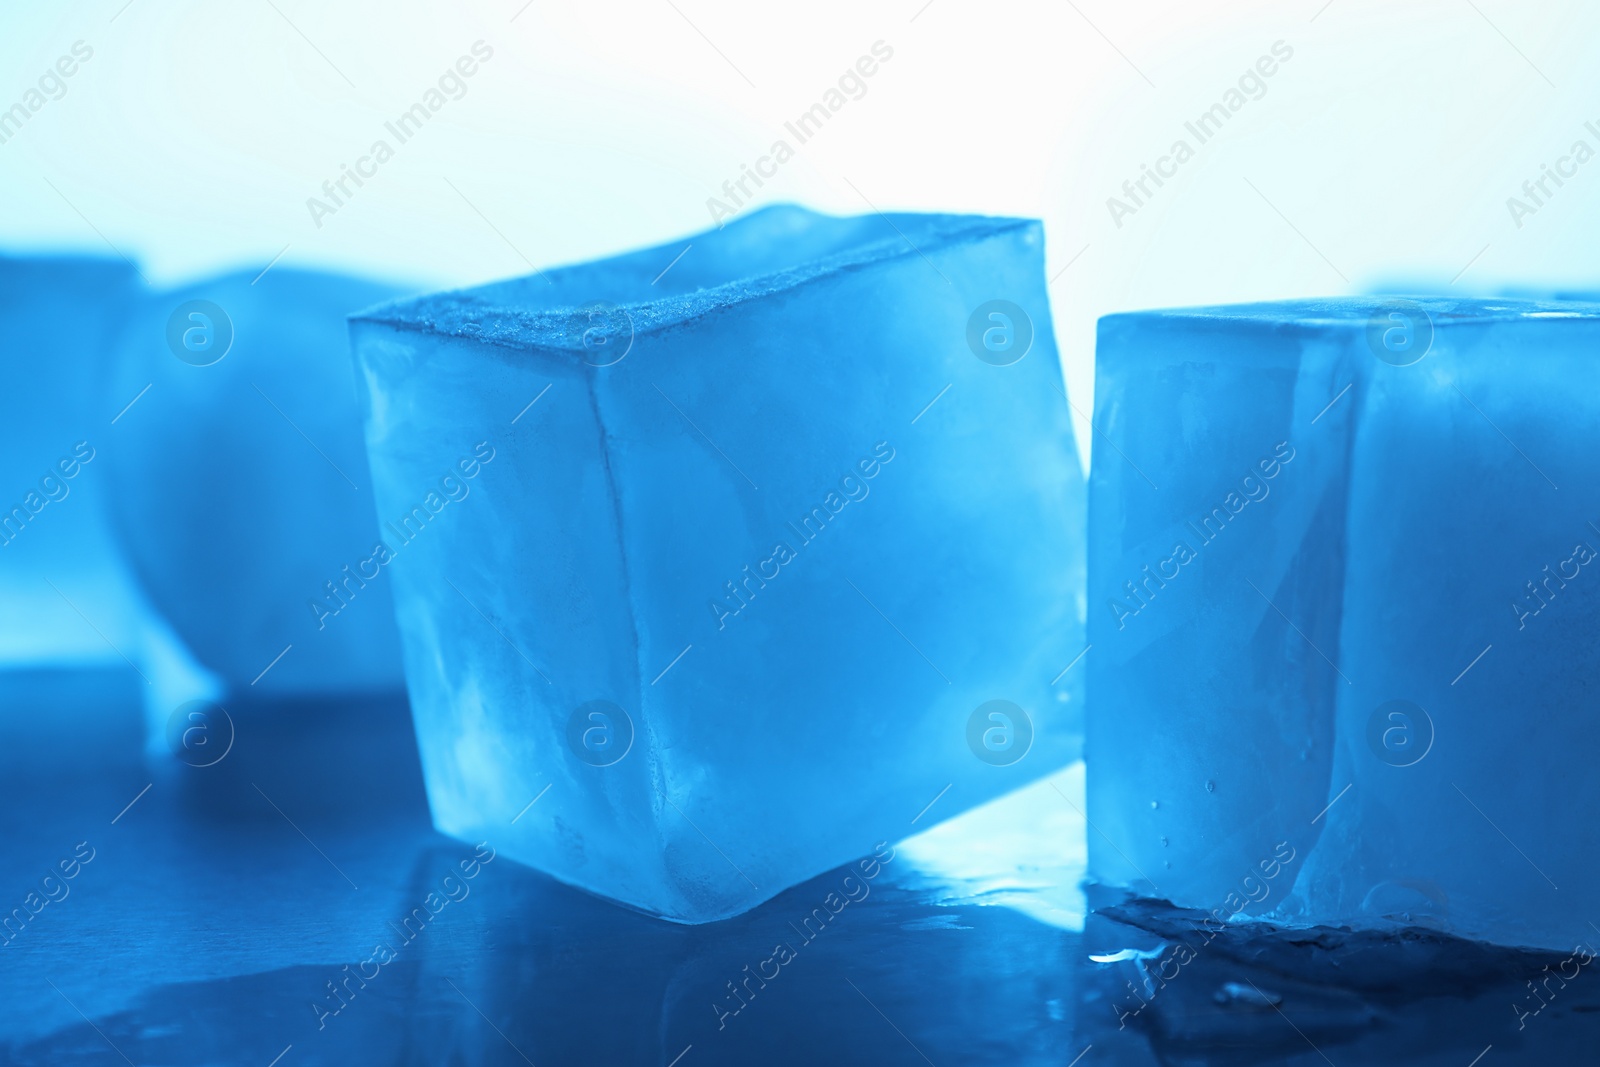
(1297, 724)
(240, 487)
(58, 316)
(794, 539)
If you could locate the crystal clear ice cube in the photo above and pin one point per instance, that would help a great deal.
(66, 589)
(747, 531)
(241, 485)
(1342, 607)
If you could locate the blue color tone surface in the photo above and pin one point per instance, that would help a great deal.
(715, 561)
(1342, 611)
(241, 485)
(65, 588)
(268, 906)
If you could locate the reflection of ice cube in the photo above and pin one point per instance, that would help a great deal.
(241, 482)
(796, 534)
(1355, 621)
(66, 591)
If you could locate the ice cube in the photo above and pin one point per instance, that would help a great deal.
(1341, 610)
(748, 548)
(67, 593)
(242, 489)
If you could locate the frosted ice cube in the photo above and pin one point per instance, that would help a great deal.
(241, 481)
(1342, 615)
(747, 548)
(66, 590)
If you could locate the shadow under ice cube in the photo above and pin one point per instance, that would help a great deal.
(754, 523)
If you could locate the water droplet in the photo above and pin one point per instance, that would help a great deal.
(1154, 804)
(1169, 865)
(1410, 902)
(1211, 787)
(1164, 842)
(1246, 996)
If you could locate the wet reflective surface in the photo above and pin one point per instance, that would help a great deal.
(292, 901)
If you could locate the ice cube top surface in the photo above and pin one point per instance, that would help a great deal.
(241, 483)
(1340, 603)
(1323, 312)
(741, 548)
(777, 249)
